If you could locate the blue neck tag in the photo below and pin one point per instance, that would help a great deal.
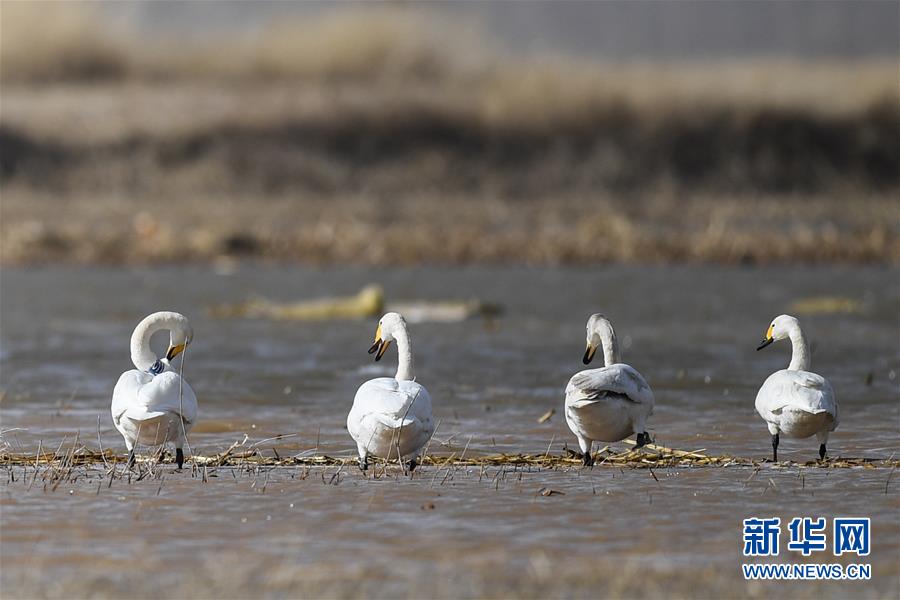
(157, 368)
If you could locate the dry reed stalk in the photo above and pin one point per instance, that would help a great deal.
(59, 466)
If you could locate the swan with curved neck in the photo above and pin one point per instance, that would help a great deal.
(180, 335)
(152, 404)
(794, 401)
(391, 416)
(600, 334)
(609, 403)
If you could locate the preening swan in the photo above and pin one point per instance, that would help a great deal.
(610, 403)
(391, 416)
(794, 401)
(151, 404)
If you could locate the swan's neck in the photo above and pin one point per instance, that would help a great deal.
(141, 354)
(405, 369)
(799, 351)
(610, 345)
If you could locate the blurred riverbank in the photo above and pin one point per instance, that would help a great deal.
(374, 137)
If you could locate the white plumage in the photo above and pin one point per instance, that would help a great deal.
(795, 402)
(151, 404)
(610, 403)
(391, 417)
(386, 411)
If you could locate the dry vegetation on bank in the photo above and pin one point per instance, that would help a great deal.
(374, 137)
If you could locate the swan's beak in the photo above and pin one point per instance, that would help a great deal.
(589, 354)
(380, 345)
(174, 351)
(769, 339)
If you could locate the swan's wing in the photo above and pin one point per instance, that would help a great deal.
(393, 403)
(126, 392)
(160, 395)
(797, 389)
(594, 385)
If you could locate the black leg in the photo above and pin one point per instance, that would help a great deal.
(587, 460)
(179, 457)
(642, 440)
(130, 462)
(775, 448)
(822, 452)
(411, 465)
(363, 464)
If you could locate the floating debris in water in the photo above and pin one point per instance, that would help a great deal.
(825, 305)
(547, 415)
(368, 303)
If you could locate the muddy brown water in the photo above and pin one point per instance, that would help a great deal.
(285, 532)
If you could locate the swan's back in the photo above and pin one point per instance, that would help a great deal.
(620, 379)
(393, 400)
(141, 396)
(798, 390)
(388, 413)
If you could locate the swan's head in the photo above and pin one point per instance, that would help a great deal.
(181, 334)
(388, 326)
(780, 329)
(598, 329)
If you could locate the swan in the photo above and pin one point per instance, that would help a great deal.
(794, 401)
(610, 403)
(391, 415)
(146, 407)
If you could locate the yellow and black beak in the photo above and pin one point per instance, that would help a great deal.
(380, 345)
(769, 339)
(589, 354)
(174, 351)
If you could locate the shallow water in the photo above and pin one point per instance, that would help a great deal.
(691, 331)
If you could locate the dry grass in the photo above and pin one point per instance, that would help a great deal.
(60, 465)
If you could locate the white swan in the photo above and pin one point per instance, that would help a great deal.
(610, 403)
(151, 404)
(794, 401)
(391, 416)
